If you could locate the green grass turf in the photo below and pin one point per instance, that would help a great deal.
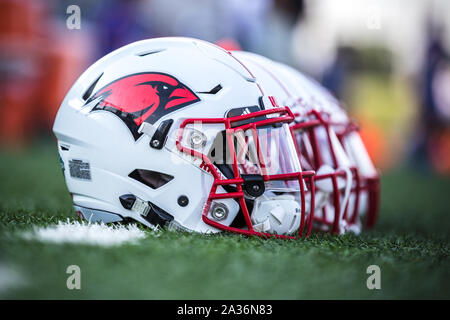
(410, 244)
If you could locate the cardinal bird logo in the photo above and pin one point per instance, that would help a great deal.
(143, 97)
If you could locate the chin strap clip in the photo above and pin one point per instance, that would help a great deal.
(140, 206)
(151, 212)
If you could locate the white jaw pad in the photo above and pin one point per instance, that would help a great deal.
(279, 214)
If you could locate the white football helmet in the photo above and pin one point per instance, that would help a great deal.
(327, 141)
(365, 196)
(176, 132)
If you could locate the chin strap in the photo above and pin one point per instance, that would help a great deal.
(149, 211)
(140, 206)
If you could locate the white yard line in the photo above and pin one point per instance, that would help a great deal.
(86, 233)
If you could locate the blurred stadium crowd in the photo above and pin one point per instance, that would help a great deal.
(389, 60)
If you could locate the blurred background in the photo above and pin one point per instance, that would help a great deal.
(389, 60)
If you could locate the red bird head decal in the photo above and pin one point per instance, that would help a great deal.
(143, 97)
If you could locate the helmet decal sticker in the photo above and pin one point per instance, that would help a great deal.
(143, 97)
(80, 169)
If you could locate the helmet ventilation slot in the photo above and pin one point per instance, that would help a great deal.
(214, 90)
(152, 179)
(89, 91)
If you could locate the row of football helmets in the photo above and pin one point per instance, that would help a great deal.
(180, 133)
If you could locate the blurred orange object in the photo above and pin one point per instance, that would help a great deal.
(16, 122)
(63, 63)
(439, 151)
(373, 138)
(19, 40)
(38, 65)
